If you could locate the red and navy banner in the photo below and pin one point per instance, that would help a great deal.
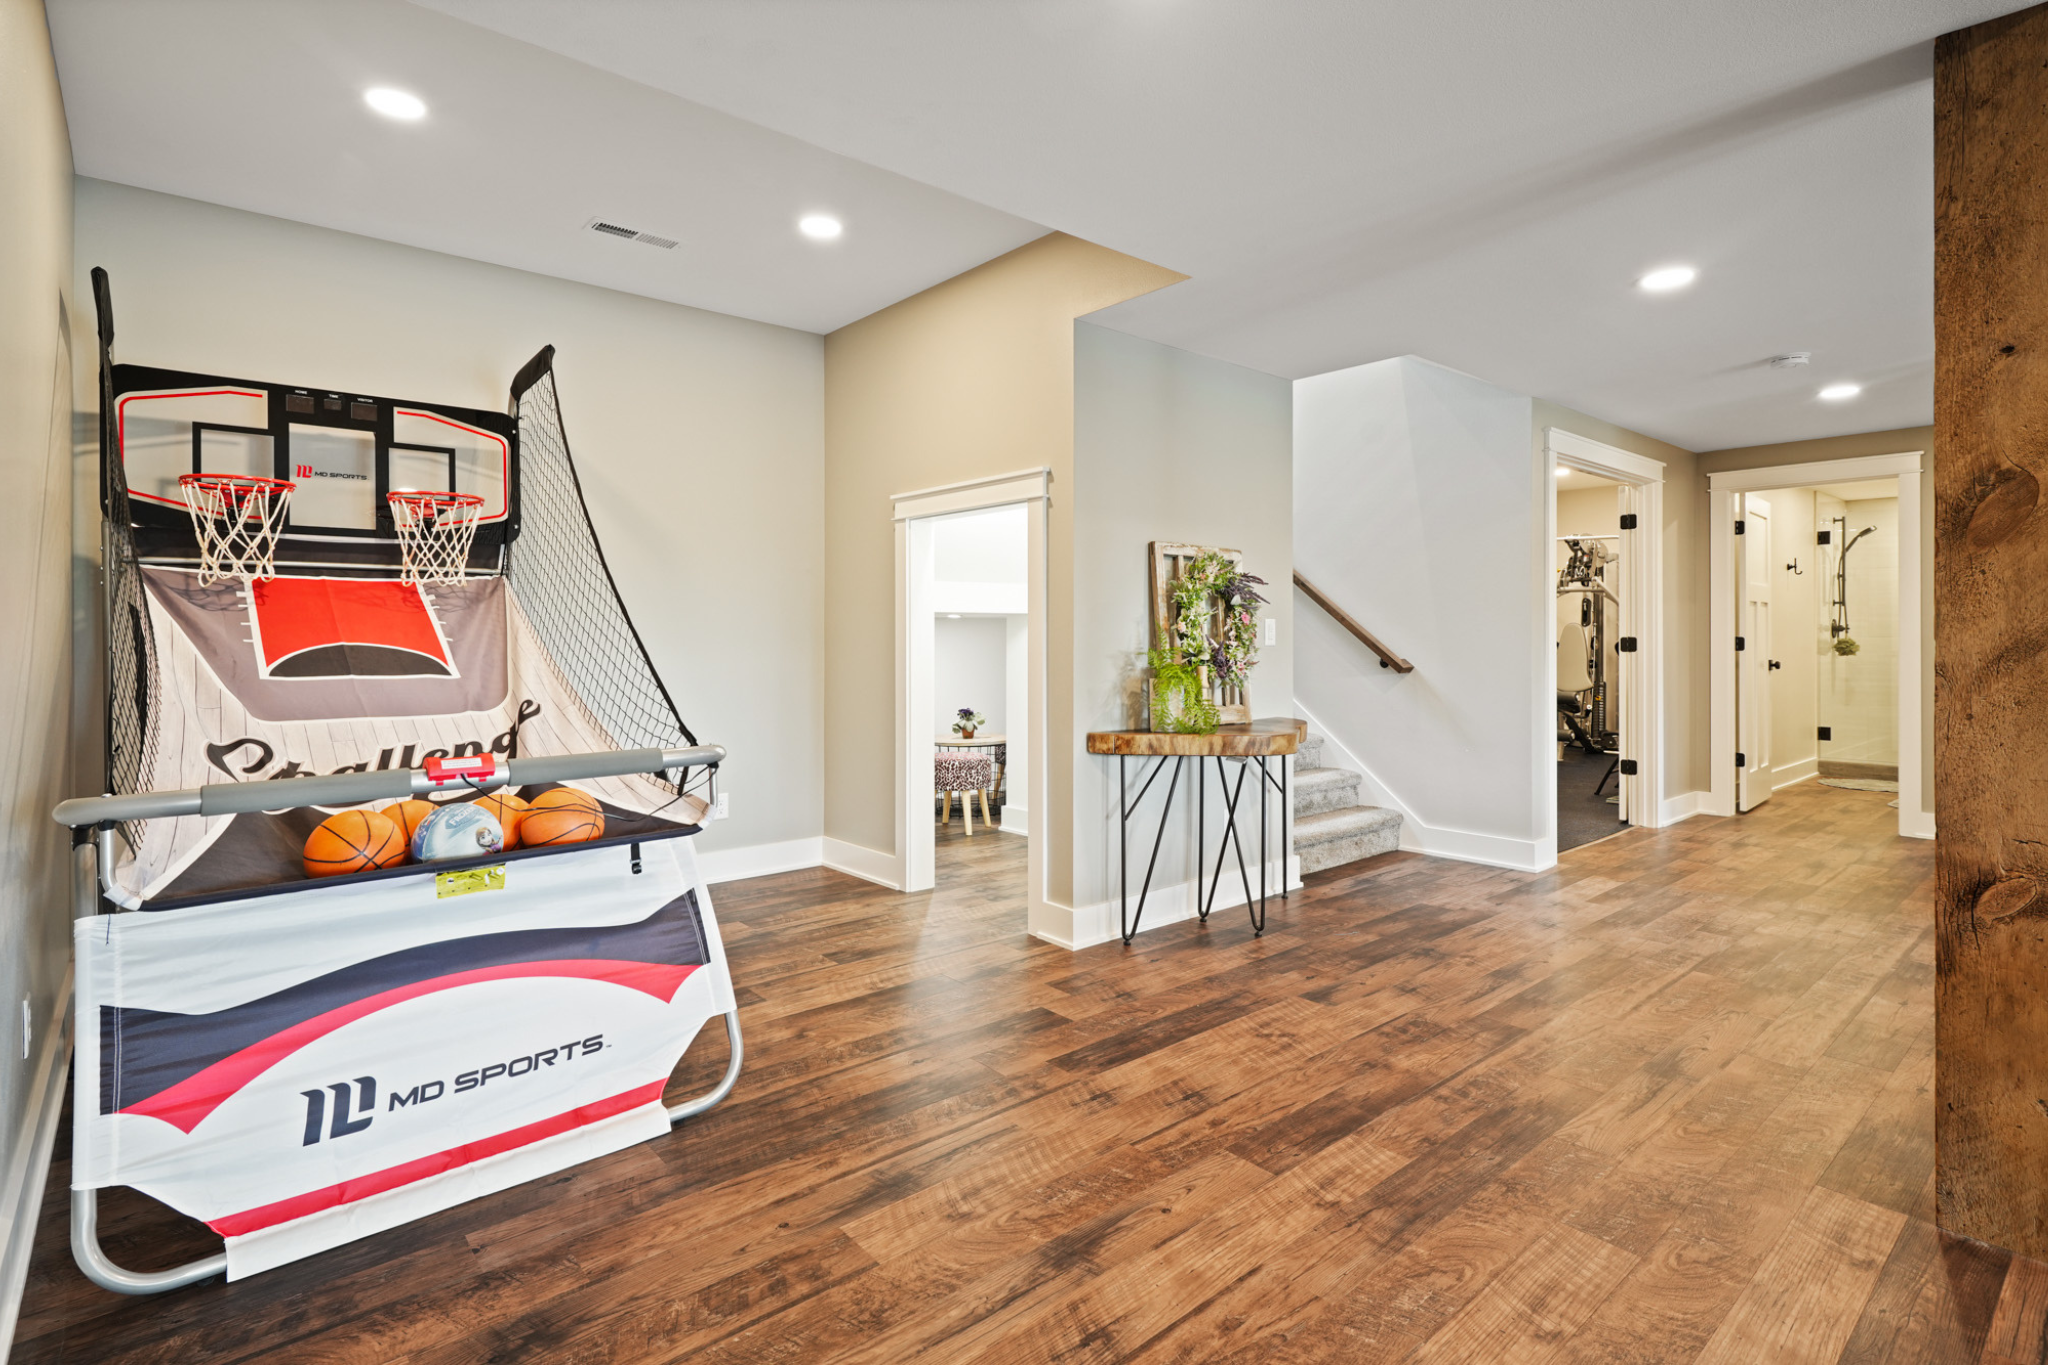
(304, 1068)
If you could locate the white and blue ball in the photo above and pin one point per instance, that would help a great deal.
(461, 830)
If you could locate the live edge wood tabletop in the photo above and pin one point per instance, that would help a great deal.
(1267, 738)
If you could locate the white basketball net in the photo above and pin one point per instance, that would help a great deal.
(237, 520)
(434, 534)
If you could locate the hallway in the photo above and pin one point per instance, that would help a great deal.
(1670, 1102)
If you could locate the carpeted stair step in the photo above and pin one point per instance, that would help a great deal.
(1317, 790)
(1335, 837)
(1310, 755)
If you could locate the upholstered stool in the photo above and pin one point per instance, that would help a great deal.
(965, 773)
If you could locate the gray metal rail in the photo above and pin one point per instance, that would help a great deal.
(348, 789)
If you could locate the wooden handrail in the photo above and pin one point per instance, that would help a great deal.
(1388, 658)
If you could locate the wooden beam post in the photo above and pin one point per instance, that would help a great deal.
(1991, 630)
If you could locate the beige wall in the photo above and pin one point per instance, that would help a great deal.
(1893, 442)
(971, 378)
(35, 611)
(1685, 586)
(698, 437)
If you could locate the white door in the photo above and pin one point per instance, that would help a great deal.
(1753, 683)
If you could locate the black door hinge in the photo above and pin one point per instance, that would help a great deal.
(1628, 767)
(1738, 527)
(1740, 644)
(1742, 760)
(1628, 521)
(1625, 645)
(1827, 732)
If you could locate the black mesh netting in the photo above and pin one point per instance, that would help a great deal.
(132, 693)
(558, 574)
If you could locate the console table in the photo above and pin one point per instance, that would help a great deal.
(1258, 743)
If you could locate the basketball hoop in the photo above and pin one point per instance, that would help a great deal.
(237, 519)
(434, 533)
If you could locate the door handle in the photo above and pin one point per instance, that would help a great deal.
(1774, 663)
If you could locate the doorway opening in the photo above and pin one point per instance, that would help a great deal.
(1816, 613)
(980, 669)
(1590, 667)
(970, 624)
(1817, 677)
(1602, 606)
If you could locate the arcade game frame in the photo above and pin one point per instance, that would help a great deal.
(198, 875)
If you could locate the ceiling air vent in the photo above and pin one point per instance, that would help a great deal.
(611, 229)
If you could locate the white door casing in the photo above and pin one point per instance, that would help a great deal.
(1642, 599)
(1724, 490)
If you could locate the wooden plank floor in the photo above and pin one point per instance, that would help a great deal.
(1668, 1103)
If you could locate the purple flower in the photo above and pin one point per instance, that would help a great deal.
(967, 713)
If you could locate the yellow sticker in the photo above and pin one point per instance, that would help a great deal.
(469, 879)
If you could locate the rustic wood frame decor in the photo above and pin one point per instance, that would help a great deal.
(1168, 560)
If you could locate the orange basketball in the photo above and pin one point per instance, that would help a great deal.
(510, 811)
(561, 815)
(554, 798)
(353, 841)
(407, 816)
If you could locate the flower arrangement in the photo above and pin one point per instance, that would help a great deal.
(970, 720)
(1209, 585)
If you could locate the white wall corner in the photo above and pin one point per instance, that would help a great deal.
(868, 864)
(21, 1197)
(1086, 926)
(760, 860)
(1016, 819)
(1790, 773)
(1684, 806)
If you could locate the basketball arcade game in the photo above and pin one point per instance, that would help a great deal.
(316, 602)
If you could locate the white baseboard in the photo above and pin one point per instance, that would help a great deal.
(1490, 850)
(868, 864)
(21, 1198)
(1015, 819)
(1794, 772)
(1683, 806)
(1917, 824)
(760, 860)
(1085, 926)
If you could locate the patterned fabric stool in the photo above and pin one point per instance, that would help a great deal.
(965, 773)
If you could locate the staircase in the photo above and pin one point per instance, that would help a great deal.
(1330, 827)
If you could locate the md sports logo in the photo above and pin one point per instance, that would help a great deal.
(306, 471)
(354, 1106)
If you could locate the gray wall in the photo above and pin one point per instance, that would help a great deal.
(35, 609)
(1168, 446)
(699, 438)
(1419, 507)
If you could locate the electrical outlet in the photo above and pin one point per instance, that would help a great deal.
(724, 806)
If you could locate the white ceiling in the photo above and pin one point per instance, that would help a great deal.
(1474, 181)
(258, 104)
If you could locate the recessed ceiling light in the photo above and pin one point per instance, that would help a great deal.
(1664, 279)
(1838, 393)
(821, 227)
(395, 103)
(952, 616)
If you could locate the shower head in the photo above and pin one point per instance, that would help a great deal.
(1858, 536)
